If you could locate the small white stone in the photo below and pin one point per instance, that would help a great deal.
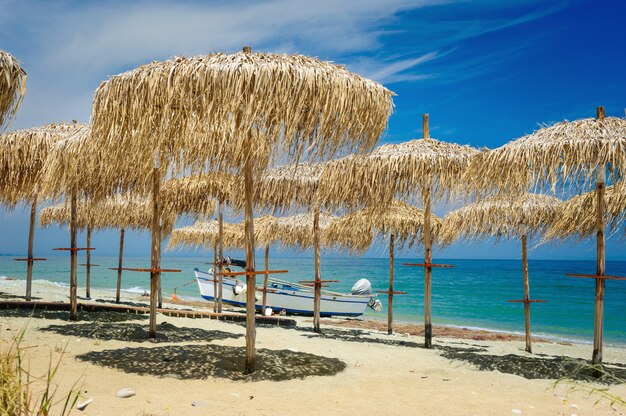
(199, 403)
(83, 405)
(516, 412)
(125, 393)
(234, 394)
(574, 406)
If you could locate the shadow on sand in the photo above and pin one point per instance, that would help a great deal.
(137, 332)
(539, 366)
(83, 316)
(197, 362)
(355, 335)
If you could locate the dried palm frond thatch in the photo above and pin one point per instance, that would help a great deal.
(206, 234)
(567, 152)
(289, 186)
(12, 86)
(22, 156)
(194, 194)
(230, 108)
(403, 221)
(577, 216)
(501, 217)
(122, 211)
(401, 170)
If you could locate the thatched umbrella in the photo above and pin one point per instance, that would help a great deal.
(193, 195)
(12, 86)
(232, 111)
(22, 156)
(522, 216)
(122, 211)
(422, 169)
(577, 216)
(63, 174)
(296, 186)
(400, 222)
(566, 153)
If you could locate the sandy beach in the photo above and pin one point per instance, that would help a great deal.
(194, 367)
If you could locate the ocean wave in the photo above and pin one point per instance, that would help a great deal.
(136, 289)
(50, 282)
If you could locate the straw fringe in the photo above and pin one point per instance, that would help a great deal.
(193, 194)
(577, 216)
(117, 212)
(500, 216)
(221, 110)
(565, 152)
(289, 186)
(12, 87)
(404, 221)
(402, 170)
(22, 156)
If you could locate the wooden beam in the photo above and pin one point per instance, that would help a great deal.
(391, 292)
(155, 249)
(317, 294)
(526, 293)
(88, 266)
(600, 257)
(31, 237)
(73, 255)
(119, 267)
(250, 275)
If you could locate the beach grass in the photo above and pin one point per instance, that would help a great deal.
(22, 393)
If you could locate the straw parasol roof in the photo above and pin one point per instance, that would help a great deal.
(568, 151)
(402, 220)
(295, 103)
(577, 216)
(289, 186)
(122, 211)
(193, 194)
(22, 156)
(501, 216)
(396, 170)
(206, 233)
(12, 86)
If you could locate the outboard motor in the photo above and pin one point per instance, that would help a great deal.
(364, 287)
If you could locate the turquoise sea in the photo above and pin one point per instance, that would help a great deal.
(474, 294)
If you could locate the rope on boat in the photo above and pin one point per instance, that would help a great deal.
(174, 297)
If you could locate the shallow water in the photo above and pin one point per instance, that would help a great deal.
(473, 294)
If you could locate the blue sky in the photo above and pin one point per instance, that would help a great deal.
(487, 71)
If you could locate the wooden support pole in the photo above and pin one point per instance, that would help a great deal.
(88, 267)
(31, 237)
(526, 292)
(267, 262)
(318, 274)
(251, 278)
(390, 308)
(214, 277)
(159, 275)
(119, 268)
(425, 128)
(428, 259)
(600, 257)
(220, 223)
(156, 246)
(73, 255)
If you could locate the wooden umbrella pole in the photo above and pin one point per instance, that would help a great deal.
(159, 281)
(390, 311)
(600, 257)
(73, 253)
(220, 222)
(526, 291)
(31, 237)
(428, 256)
(318, 274)
(119, 268)
(214, 279)
(265, 277)
(88, 266)
(250, 278)
(155, 257)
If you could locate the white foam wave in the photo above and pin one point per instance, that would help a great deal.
(136, 289)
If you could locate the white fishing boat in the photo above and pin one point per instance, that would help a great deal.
(292, 298)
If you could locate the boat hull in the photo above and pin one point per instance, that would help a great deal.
(291, 299)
